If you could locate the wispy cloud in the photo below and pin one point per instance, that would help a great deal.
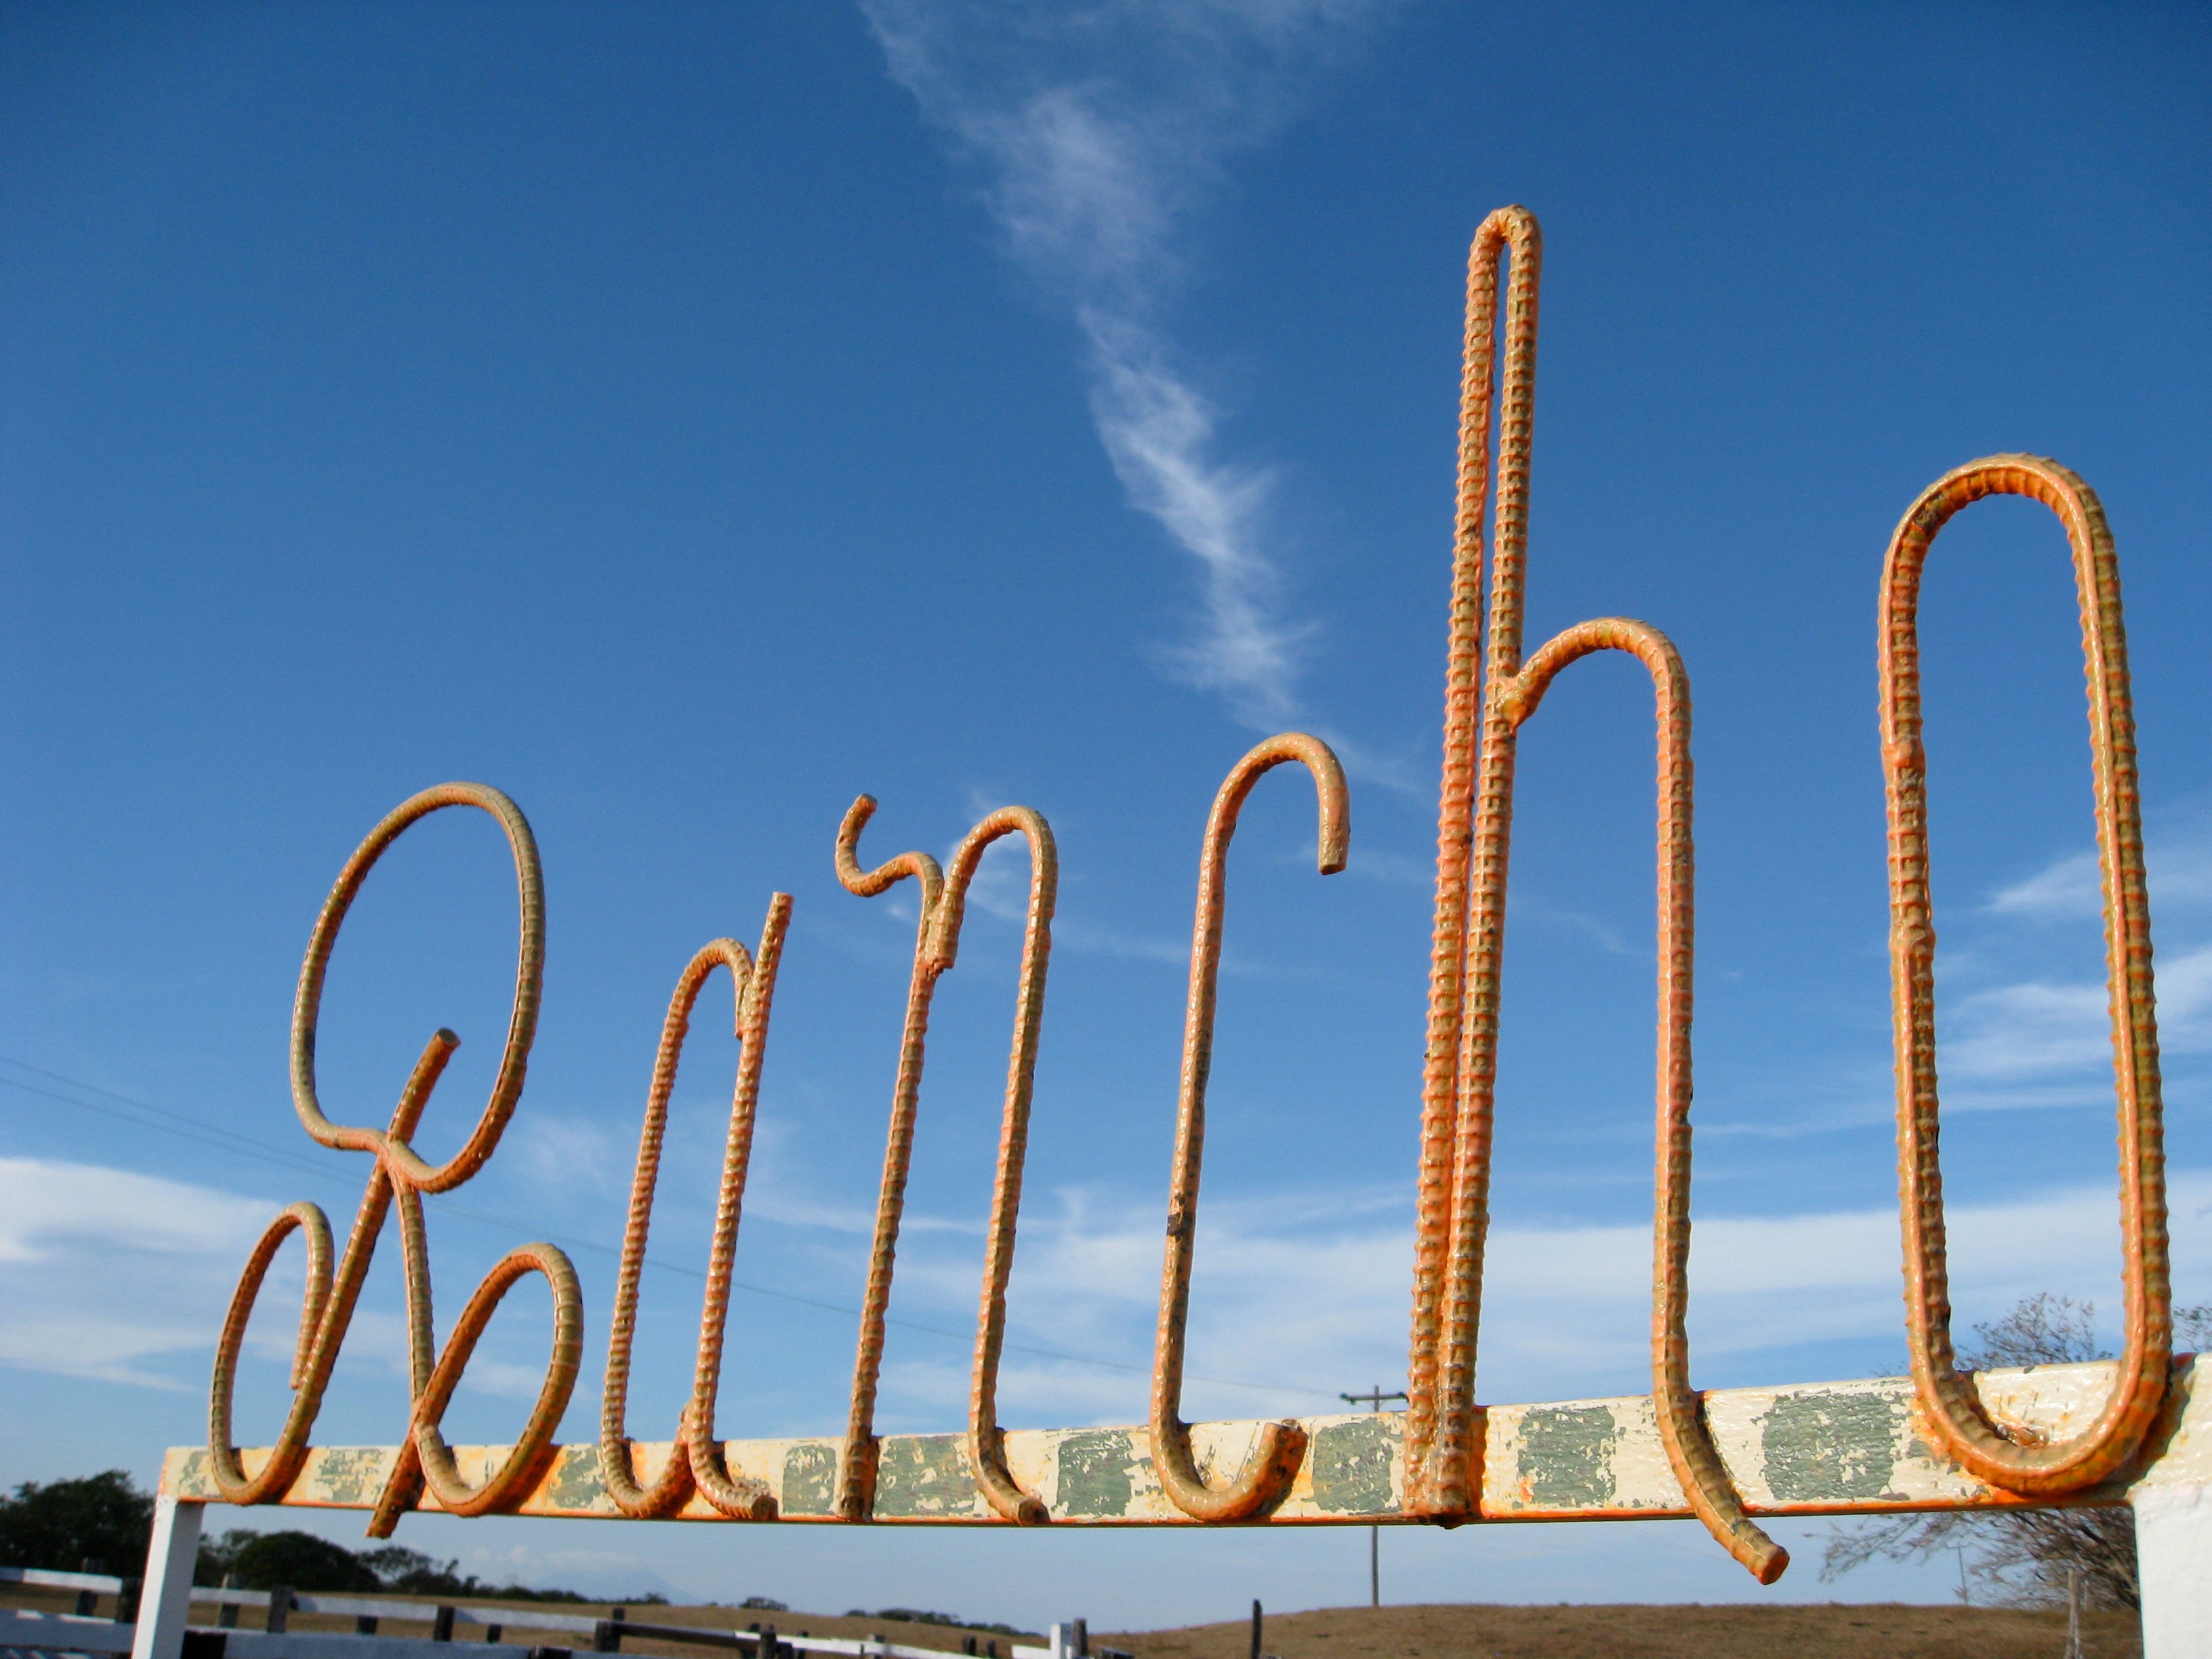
(105, 1273)
(1309, 1296)
(2040, 1040)
(2066, 887)
(1301, 1293)
(1099, 128)
(2179, 857)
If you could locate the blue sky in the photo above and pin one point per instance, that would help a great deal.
(686, 417)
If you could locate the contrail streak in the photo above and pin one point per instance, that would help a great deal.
(1099, 128)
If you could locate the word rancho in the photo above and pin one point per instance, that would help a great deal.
(2136, 1430)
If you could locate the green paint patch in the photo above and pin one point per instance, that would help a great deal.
(194, 1478)
(354, 1476)
(1097, 1473)
(1566, 1455)
(1831, 1448)
(810, 1479)
(921, 1476)
(575, 1484)
(1351, 1466)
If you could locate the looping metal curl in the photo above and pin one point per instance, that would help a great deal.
(1484, 705)
(1953, 1411)
(943, 909)
(327, 1308)
(1273, 1463)
(390, 1146)
(695, 1461)
(1690, 1449)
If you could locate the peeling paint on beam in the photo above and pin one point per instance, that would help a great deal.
(1819, 1449)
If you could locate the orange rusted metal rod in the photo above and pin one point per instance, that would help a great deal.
(986, 1447)
(522, 1023)
(696, 1462)
(1441, 1440)
(1954, 1412)
(399, 1174)
(424, 1456)
(1273, 1463)
(937, 946)
(744, 1499)
(856, 1471)
(1690, 1449)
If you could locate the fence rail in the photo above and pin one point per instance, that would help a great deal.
(27, 1631)
(40, 1578)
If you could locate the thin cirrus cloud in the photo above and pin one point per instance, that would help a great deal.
(2178, 863)
(1099, 128)
(1290, 1298)
(105, 1274)
(2049, 1029)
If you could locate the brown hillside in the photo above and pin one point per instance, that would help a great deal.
(1829, 1631)
(1736, 1630)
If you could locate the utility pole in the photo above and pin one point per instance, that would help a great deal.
(1373, 1399)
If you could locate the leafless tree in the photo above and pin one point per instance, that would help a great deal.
(2024, 1557)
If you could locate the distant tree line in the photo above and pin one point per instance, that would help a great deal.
(98, 1524)
(102, 1524)
(916, 1616)
(301, 1561)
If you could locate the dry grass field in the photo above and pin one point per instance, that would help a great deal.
(1831, 1631)
(1736, 1630)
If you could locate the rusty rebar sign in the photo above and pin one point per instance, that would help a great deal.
(1942, 1440)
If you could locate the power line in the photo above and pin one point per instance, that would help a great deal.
(198, 1130)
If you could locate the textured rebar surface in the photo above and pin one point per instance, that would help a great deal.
(326, 1310)
(1690, 1449)
(2025, 1466)
(1273, 1460)
(752, 984)
(942, 910)
(734, 1495)
(1948, 1441)
(1474, 820)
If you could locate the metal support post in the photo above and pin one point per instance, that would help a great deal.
(1372, 1400)
(2174, 1556)
(166, 1600)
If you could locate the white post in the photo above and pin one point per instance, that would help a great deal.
(165, 1601)
(2173, 1558)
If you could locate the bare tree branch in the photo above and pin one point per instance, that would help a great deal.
(2023, 1558)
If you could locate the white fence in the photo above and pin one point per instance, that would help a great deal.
(43, 1633)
